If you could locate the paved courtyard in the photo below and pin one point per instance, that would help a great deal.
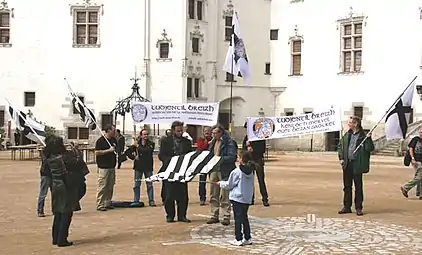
(305, 194)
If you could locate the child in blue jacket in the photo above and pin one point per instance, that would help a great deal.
(241, 186)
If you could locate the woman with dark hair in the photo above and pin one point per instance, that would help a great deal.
(63, 195)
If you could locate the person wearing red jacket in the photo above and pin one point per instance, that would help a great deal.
(202, 145)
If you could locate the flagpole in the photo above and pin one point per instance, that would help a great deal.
(231, 81)
(73, 94)
(385, 114)
(26, 122)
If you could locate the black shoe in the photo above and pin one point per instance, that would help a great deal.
(102, 209)
(110, 207)
(420, 198)
(345, 210)
(54, 242)
(41, 214)
(213, 221)
(184, 219)
(152, 204)
(202, 203)
(265, 203)
(359, 212)
(170, 220)
(65, 244)
(404, 192)
(225, 222)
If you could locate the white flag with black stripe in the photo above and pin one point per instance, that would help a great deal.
(87, 116)
(30, 128)
(237, 62)
(185, 167)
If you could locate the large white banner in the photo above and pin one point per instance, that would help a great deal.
(203, 114)
(260, 128)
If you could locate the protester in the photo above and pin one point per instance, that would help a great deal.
(354, 165)
(106, 163)
(258, 148)
(120, 148)
(240, 184)
(202, 144)
(63, 190)
(222, 145)
(415, 150)
(80, 170)
(143, 166)
(170, 146)
(45, 185)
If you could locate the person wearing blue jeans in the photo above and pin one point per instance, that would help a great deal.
(45, 185)
(143, 166)
(240, 184)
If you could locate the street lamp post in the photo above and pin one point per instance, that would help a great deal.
(124, 106)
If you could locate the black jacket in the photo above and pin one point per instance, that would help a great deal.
(258, 148)
(145, 161)
(120, 148)
(166, 150)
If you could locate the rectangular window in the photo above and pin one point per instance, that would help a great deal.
(164, 50)
(289, 113)
(358, 111)
(267, 68)
(189, 88)
(296, 57)
(106, 119)
(83, 133)
(351, 49)
(197, 88)
(86, 27)
(274, 34)
(228, 28)
(195, 45)
(72, 133)
(229, 77)
(29, 99)
(74, 110)
(4, 27)
(199, 9)
(2, 118)
(191, 9)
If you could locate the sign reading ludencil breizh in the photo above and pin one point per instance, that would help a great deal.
(204, 114)
(327, 120)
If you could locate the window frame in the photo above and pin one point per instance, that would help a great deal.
(228, 29)
(164, 39)
(274, 34)
(294, 54)
(193, 13)
(2, 117)
(358, 111)
(27, 100)
(198, 35)
(9, 12)
(227, 78)
(194, 86)
(75, 9)
(267, 68)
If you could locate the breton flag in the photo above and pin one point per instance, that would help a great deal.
(397, 120)
(86, 114)
(236, 61)
(33, 130)
(185, 167)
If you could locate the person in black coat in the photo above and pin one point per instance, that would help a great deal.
(80, 170)
(120, 148)
(174, 191)
(258, 149)
(63, 189)
(143, 165)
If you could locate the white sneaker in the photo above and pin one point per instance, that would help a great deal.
(236, 243)
(247, 242)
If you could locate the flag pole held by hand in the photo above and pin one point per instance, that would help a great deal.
(385, 114)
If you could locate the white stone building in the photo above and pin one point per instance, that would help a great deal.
(357, 54)
(177, 48)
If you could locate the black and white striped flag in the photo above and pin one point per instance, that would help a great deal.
(87, 116)
(33, 130)
(237, 62)
(185, 167)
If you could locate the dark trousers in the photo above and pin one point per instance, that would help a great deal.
(176, 192)
(240, 212)
(61, 224)
(348, 179)
(260, 174)
(203, 187)
(163, 191)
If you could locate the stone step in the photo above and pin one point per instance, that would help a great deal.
(380, 153)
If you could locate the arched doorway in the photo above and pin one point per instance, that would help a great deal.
(237, 109)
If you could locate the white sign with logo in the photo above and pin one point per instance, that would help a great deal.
(260, 128)
(203, 114)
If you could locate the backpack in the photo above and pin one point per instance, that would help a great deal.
(407, 158)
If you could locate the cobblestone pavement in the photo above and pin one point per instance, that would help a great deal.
(312, 235)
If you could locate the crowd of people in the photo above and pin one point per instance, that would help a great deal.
(63, 170)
